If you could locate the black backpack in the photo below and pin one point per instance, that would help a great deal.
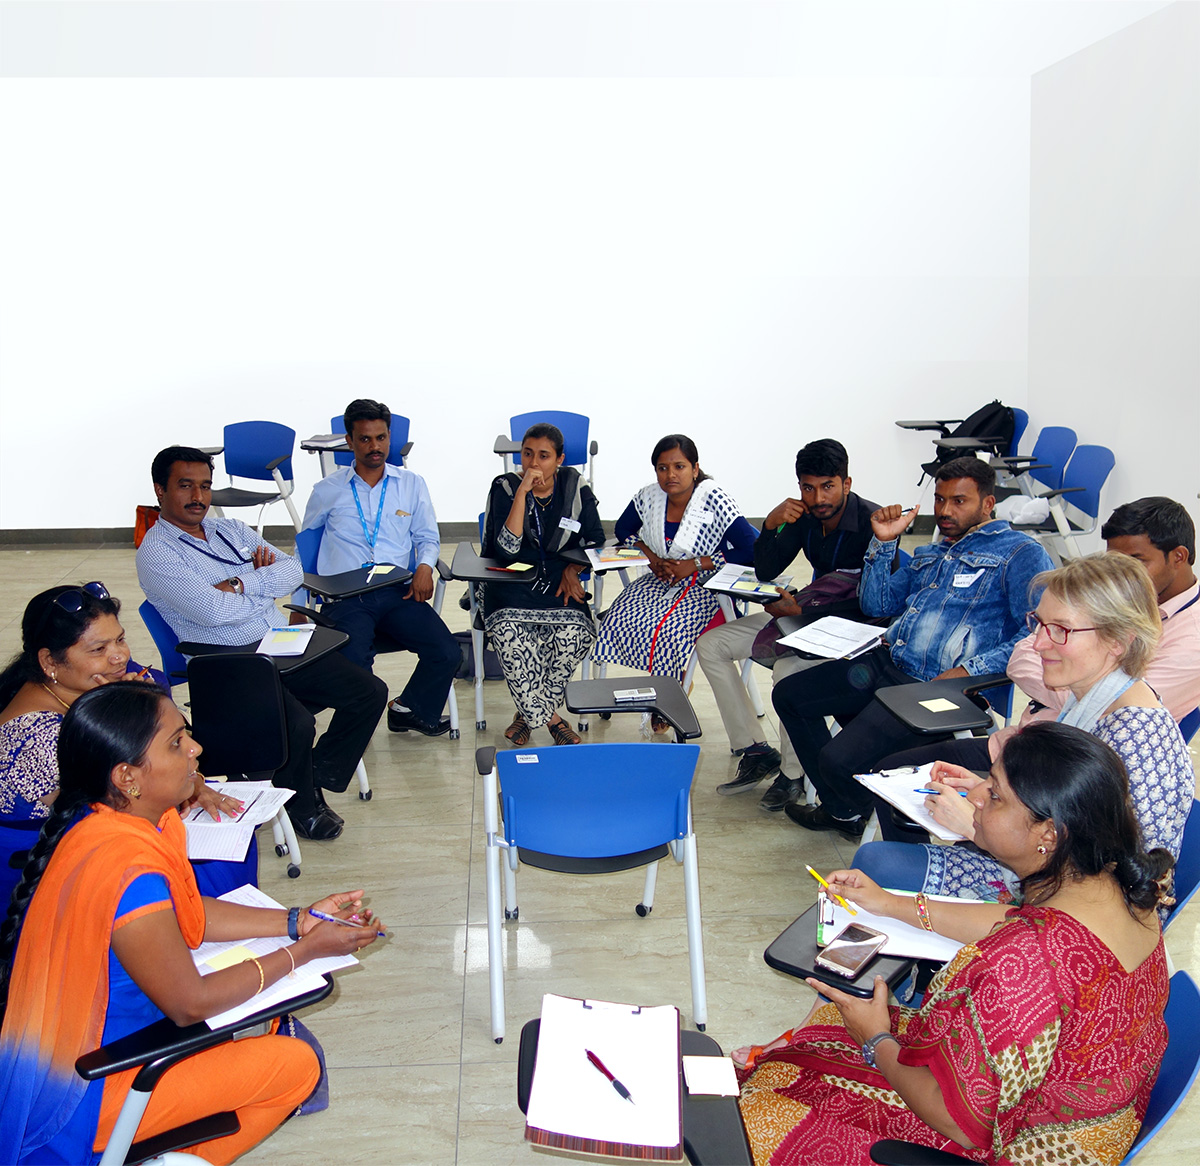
(993, 425)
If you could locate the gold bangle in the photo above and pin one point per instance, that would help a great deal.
(262, 979)
(288, 951)
(923, 911)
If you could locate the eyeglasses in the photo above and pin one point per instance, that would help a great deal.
(1055, 632)
(71, 601)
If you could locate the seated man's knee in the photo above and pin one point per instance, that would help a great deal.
(896, 865)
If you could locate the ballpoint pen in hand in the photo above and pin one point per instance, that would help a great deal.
(830, 890)
(334, 919)
(599, 1064)
(933, 793)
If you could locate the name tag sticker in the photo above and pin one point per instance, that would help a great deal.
(706, 517)
(527, 759)
(565, 523)
(967, 580)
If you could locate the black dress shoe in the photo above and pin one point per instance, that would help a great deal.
(399, 722)
(818, 818)
(324, 808)
(323, 826)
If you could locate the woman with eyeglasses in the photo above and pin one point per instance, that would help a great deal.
(1095, 628)
(71, 642)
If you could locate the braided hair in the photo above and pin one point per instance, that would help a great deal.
(104, 728)
(1066, 776)
(48, 625)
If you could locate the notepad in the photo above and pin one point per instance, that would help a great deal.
(290, 641)
(834, 638)
(903, 939)
(574, 1107)
(739, 580)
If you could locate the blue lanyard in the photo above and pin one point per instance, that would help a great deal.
(372, 537)
(239, 562)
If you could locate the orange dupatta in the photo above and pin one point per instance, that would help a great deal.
(58, 993)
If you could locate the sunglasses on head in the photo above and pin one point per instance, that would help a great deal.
(72, 601)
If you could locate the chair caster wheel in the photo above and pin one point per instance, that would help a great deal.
(512, 914)
(281, 849)
(606, 716)
(643, 910)
(454, 734)
(499, 1040)
(583, 726)
(293, 871)
(365, 797)
(700, 1028)
(481, 724)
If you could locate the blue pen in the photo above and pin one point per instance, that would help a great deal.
(334, 919)
(962, 793)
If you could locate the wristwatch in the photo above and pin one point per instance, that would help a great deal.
(699, 565)
(294, 924)
(239, 588)
(868, 1050)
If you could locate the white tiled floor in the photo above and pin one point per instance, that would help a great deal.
(414, 1074)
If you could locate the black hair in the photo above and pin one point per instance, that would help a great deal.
(547, 432)
(1162, 520)
(160, 468)
(364, 409)
(824, 458)
(47, 624)
(685, 445)
(1074, 780)
(104, 727)
(969, 467)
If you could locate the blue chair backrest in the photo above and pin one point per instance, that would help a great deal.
(399, 438)
(1020, 424)
(308, 545)
(1053, 448)
(1190, 724)
(1187, 865)
(596, 801)
(1180, 1062)
(164, 640)
(251, 445)
(15, 838)
(1089, 467)
(574, 427)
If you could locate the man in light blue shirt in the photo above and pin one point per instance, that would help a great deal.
(374, 512)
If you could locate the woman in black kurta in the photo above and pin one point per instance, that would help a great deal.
(540, 631)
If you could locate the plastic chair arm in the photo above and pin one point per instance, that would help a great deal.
(322, 621)
(406, 449)
(594, 448)
(974, 684)
(485, 760)
(1063, 490)
(277, 462)
(944, 426)
(443, 571)
(212, 449)
(505, 445)
(894, 1153)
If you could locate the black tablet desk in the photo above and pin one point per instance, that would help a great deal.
(670, 701)
(323, 641)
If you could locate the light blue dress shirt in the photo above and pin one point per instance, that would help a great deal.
(408, 521)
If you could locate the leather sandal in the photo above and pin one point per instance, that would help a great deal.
(518, 732)
(562, 733)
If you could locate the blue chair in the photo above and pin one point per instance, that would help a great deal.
(1043, 468)
(16, 840)
(308, 547)
(577, 451)
(1190, 724)
(1187, 866)
(1180, 1064)
(166, 641)
(398, 448)
(590, 809)
(261, 451)
(1083, 479)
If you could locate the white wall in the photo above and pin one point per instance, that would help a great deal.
(1114, 312)
(754, 262)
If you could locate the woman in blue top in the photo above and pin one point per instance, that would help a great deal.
(687, 526)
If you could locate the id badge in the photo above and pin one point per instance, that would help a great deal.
(368, 566)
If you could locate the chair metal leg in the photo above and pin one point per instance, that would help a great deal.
(870, 829)
(364, 784)
(691, 891)
(495, 925)
(647, 904)
(751, 683)
(477, 652)
(286, 843)
(511, 910)
(452, 709)
(690, 671)
(125, 1128)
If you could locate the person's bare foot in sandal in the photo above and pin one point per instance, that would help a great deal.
(562, 733)
(518, 732)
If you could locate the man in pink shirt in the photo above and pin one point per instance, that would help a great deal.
(1160, 534)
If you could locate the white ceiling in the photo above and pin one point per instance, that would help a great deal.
(552, 38)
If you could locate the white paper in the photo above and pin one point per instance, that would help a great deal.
(612, 558)
(229, 839)
(289, 641)
(898, 788)
(903, 939)
(712, 1075)
(740, 580)
(307, 977)
(834, 637)
(640, 1047)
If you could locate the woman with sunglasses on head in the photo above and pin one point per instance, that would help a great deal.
(71, 642)
(98, 943)
(1042, 1039)
(1095, 628)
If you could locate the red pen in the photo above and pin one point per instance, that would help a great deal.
(142, 674)
(599, 1064)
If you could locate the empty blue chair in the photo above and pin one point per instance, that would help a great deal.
(589, 809)
(398, 447)
(166, 641)
(260, 451)
(1083, 479)
(1043, 468)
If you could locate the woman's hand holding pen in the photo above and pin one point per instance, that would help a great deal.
(321, 938)
(862, 891)
(947, 808)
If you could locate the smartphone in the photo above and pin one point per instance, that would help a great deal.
(634, 694)
(851, 950)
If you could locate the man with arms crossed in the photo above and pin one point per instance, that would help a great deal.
(832, 526)
(960, 608)
(215, 581)
(374, 512)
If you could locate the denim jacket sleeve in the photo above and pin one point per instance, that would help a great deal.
(1028, 560)
(882, 591)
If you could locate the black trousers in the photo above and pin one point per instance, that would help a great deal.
(844, 690)
(357, 699)
(413, 627)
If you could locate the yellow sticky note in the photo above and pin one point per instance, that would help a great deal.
(384, 569)
(226, 959)
(938, 705)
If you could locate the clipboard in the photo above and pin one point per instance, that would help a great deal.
(573, 1107)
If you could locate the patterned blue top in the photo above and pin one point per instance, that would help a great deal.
(28, 764)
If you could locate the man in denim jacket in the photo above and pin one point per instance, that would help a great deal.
(960, 608)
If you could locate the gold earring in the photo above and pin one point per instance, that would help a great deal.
(134, 792)
(53, 676)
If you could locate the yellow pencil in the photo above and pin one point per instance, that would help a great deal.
(830, 890)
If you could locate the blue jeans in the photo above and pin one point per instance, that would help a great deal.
(899, 866)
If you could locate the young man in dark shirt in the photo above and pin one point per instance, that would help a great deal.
(831, 526)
